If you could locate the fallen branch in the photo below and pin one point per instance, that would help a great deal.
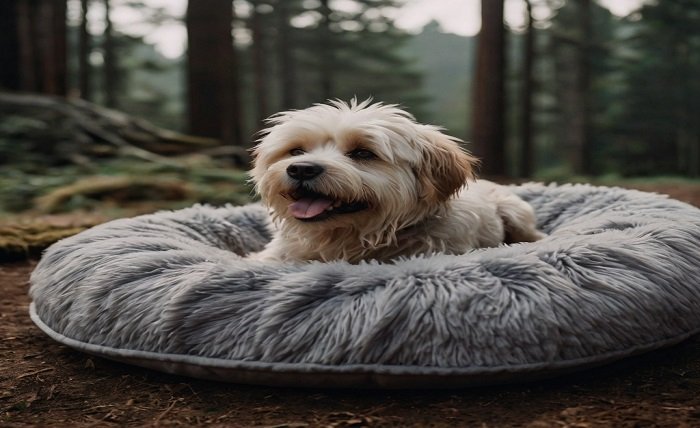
(66, 130)
(36, 372)
(117, 187)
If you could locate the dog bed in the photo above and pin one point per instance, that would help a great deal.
(618, 275)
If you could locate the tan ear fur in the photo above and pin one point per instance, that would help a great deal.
(446, 168)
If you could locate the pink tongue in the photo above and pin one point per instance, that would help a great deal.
(309, 208)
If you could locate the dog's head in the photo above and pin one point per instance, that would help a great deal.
(369, 167)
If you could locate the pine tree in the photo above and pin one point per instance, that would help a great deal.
(259, 22)
(84, 50)
(286, 46)
(579, 37)
(34, 46)
(357, 51)
(10, 74)
(213, 92)
(527, 149)
(657, 125)
(489, 91)
(110, 60)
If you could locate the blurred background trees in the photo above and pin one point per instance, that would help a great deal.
(33, 46)
(570, 90)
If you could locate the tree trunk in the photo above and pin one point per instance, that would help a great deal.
(489, 91)
(527, 151)
(9, 46)
(579, 128)
(27, 51)
(259, 66)
(326, 53)
(84, 50)
(687, 149)
(45, 38)
(110, 66)
(235, 119)
(286, 60)
(212, 76)
(60, 46)
(40, 37)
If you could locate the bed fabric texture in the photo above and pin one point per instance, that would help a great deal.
(619, 274)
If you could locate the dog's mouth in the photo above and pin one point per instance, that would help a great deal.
(309, 205)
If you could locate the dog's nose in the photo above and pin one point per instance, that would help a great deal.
(304, 170)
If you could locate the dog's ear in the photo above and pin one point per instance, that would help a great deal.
(445, 168)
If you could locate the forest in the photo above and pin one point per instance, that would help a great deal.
(117, 108)
(94, 114)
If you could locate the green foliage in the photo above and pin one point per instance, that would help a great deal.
(153, 85)
(148, 84)
(644, 90)
(565, 47)
(356, 50)
(657, 119)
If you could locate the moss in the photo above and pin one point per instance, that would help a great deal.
(119, 188)
(21, 241)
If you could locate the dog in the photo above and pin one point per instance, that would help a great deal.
(364, 181)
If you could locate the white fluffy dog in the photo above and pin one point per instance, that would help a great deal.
(363, 181)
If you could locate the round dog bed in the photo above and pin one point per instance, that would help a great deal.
(618, 275)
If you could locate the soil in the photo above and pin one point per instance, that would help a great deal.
(43, 383)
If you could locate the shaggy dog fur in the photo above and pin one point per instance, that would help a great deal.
(359, 181)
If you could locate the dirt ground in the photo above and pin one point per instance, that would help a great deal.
(43, 383)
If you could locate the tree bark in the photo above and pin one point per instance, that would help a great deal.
(686, 144)
(527, 151)
(579, 125)
(27, 50)
(326, 52)
(84, 50)
(259, 66)
(213, 98)
(110, 66)
(60, 46)
(41, 40)
(489, 90)
(9, 46)
(286, 59)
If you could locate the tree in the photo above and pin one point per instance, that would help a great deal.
(84, 50)
(259, 49)
(527, 151)
(10, 76)
(110, 60)
(489, 90)
(656, 123)
(285, 52)
(59, 31)
(326, 45)
(34, 46)
(213, 97)
(578, 129)
(585, 85)
(355, 51)
(580, 39)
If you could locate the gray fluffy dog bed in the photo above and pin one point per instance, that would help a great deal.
(618, 275)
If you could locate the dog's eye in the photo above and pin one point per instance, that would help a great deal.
(362, 154)
(296, 152)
